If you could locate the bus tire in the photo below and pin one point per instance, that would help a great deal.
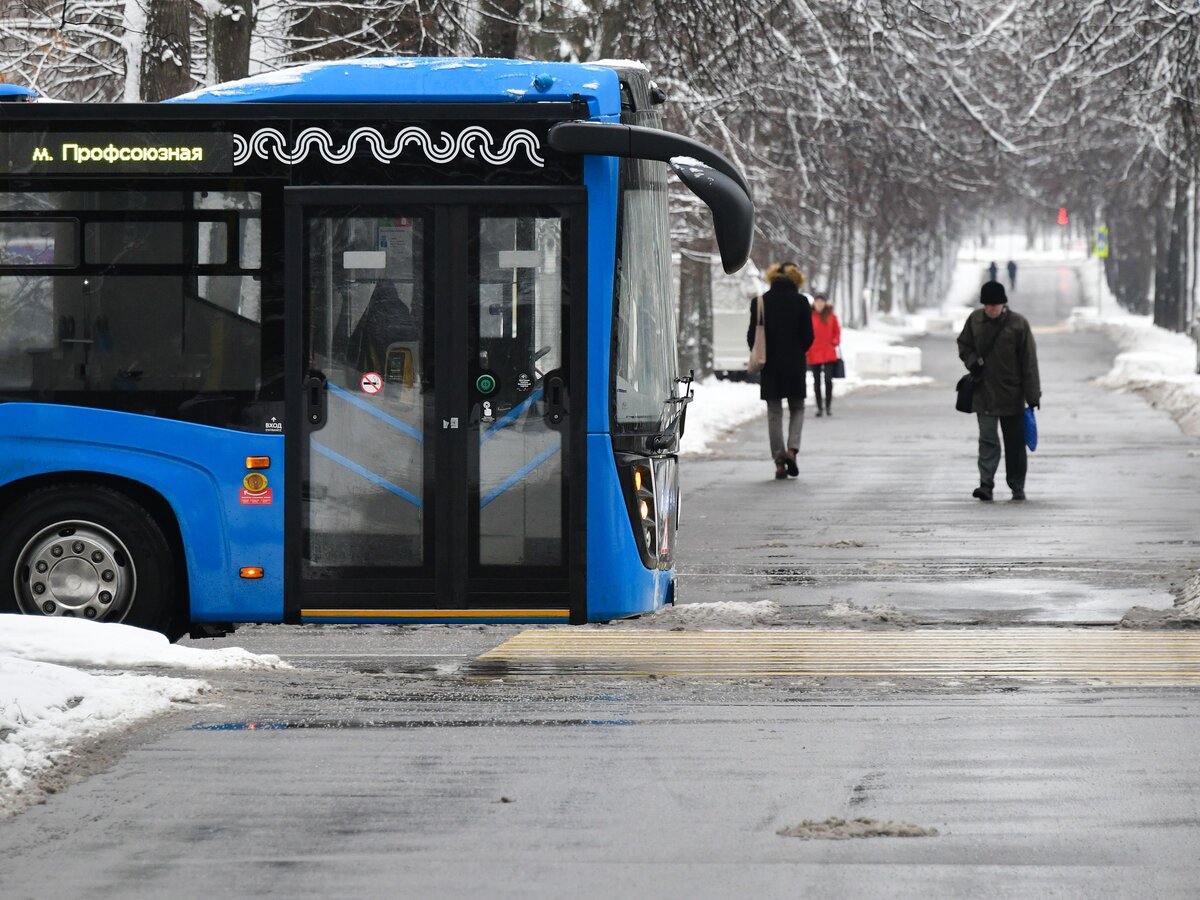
(87, 551)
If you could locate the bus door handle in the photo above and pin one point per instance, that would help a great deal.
(556, 400)
(315, 393)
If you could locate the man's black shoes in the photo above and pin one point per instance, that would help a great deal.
(984, 494)
(1018, 494)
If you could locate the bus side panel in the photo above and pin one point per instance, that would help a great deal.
(197, 468)
(618, 584)
(600, 177)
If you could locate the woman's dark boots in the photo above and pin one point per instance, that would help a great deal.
(792, 468)
(820, 409)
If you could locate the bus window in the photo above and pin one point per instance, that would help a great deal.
(133, 243)
(645, 354)
(27, 326)
(148, 294)
(38, 242)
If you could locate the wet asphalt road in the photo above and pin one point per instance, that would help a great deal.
(387, 763)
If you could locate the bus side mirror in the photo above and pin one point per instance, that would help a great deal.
(708, 174)
(732, 211)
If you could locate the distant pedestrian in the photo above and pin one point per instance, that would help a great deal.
(787, 318)
(998, 344)
(992, 270)
(823, 354)
(1012, 275)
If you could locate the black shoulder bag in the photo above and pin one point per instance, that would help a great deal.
(966, 384)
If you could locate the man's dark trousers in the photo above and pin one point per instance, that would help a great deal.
(1015, 463)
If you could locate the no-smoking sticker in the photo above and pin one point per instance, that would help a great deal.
(372, 383)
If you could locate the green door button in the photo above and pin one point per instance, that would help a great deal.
(485, 384)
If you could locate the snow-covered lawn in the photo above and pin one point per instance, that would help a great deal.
(49, 703)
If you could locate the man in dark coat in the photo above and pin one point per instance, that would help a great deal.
(997, 346)
(788, 323)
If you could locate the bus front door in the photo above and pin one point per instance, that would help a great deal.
(431, 383)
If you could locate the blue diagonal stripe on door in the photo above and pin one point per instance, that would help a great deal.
(518, 475)
(367, 474)
(510, 417)
(377, 413)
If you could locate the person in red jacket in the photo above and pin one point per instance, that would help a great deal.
(823, 354)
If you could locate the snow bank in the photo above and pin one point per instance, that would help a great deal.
(80, 642)
(721, 612)
(47, 709)
(1155, 363)
(873, 359)
(1189, 599)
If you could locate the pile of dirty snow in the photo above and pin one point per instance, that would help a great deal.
(80, 642)
(1188, 604)
(721, 613)
(873, 359)
(1159, 365)
(47, 709)
(1185, 613)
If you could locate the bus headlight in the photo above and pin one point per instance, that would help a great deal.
(652, 491)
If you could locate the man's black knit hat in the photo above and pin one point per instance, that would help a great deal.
(992, 292)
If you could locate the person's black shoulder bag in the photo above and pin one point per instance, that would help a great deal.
(966, 384)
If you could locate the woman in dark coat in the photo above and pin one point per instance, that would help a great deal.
(788, 322)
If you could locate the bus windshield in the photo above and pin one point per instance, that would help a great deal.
(646, 364)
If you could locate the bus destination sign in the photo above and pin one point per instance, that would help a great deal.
(128, 152)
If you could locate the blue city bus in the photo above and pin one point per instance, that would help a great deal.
(384, 340)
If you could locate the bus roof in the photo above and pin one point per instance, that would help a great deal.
(15, 92)
(423, 80)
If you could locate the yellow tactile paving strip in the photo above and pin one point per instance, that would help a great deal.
(1054, 654)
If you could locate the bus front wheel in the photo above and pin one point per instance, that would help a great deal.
(86, 551)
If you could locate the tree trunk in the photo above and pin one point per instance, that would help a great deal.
(229, 40)
(1177, 258)
(499, 28)
(835, 264)
(1162, 227)
(1130, 263)
(851, 296)
(1191, 313)
(167, 55)
(886, 289)
(1170, 260)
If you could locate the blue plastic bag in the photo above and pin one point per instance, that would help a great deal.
(1030, 429)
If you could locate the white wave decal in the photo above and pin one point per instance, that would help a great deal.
(472, 142)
